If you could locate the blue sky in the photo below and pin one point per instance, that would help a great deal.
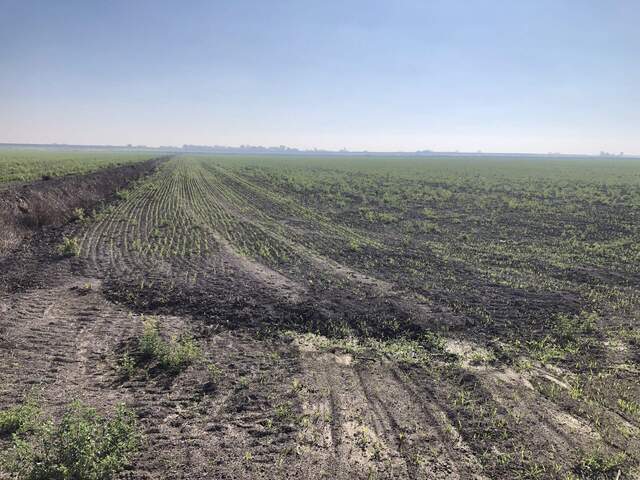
(517, 75)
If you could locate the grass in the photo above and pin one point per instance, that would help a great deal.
(26, 165)
(82, 445)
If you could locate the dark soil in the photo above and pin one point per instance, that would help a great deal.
(29, 208)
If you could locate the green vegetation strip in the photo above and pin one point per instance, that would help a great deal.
(28, 165)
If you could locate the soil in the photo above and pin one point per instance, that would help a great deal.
(294, 398)
(28, 207)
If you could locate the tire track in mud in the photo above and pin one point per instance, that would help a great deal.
(422, 422)
(62, 338)
(376, 424)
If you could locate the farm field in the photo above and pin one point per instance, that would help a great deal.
(343, 317)
(25, 165)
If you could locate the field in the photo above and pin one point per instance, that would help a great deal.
(344, 317)
(24, 165)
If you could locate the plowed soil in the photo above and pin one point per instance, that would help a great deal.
(330, 367)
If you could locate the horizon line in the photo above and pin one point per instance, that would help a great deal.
(286, 150)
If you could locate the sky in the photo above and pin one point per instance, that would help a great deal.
(497, 76)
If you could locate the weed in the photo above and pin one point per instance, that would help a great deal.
(173, 355)
(215, 373)
(598, 465)
(362, 439)
(630, 407)
(136, 245)
(355, 246)
(150, 344)
(83, 445)
(534, 471)
(79, 214)
(284, 411)
(180, 354)
(275, 356)
(70, 247)
(19, 418)
(123, 194)
(296, 385)
(127, 366)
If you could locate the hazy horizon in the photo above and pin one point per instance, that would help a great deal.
(285, 150)
(530, 77)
